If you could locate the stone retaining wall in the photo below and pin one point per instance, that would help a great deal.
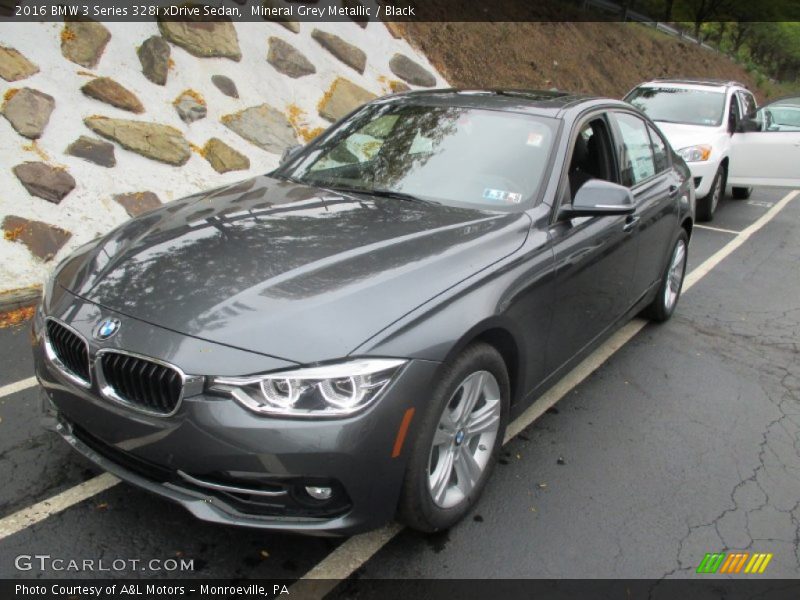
(105, 121)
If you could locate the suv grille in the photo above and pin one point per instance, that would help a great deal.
(70, 349)
(143, 383)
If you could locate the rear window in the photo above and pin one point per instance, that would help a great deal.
(680, 105)
(660, 153)
(637, 158)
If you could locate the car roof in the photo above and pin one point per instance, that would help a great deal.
(548, 103)
(701, 82)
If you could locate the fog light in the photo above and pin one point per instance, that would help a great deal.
(318, 492)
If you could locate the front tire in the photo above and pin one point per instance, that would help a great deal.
(458, 440)
(669, 292)
(707, 206)
(741, 193)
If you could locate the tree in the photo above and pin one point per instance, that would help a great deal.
(740, 32)
(702, 11)
(668, 5)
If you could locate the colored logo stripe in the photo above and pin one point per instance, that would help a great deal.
(758, 563)
(711, 563)
(734, 562)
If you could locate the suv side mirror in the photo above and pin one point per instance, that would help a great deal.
(748, 124)
(598, 197)
(289, 153)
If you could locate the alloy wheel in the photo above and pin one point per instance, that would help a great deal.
(464, 439)
(675, 275)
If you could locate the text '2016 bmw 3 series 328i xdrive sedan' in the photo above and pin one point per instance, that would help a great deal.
(343, 340)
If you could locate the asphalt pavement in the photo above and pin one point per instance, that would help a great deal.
(685, 441)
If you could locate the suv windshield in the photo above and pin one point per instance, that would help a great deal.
(444, 154)
(680, 105)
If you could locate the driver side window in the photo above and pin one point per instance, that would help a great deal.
(591, 155)
(749, 105)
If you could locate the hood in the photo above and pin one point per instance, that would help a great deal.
(285, 269)
(681, 136)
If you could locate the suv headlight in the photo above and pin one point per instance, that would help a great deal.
(328, 391)
(697, 153)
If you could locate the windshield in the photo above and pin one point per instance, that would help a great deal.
(449, 155)
(680, 105)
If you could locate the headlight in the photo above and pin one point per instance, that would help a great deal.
(328, 391)
(695, 153)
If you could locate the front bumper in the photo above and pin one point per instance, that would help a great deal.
(705, 172)
(227, 465)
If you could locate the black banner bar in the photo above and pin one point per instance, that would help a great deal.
(701, 588)
(654, 12)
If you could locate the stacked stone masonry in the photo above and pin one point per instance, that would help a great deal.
(106, 121)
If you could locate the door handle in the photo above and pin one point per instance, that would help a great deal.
(673, 191)
(630, 223)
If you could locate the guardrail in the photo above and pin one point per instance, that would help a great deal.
(637, 17)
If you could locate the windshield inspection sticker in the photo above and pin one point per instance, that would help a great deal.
(502, 196)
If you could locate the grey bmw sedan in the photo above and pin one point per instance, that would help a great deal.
(343, 341)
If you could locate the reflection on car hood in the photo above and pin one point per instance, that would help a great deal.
(286, 269)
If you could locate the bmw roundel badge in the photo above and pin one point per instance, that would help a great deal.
(106, 328)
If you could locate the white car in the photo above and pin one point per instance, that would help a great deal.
(716, 128)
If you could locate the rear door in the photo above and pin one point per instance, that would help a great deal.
(646, 169)
(769, 155)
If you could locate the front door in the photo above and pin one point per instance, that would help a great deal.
(766, 149)
(595, 257)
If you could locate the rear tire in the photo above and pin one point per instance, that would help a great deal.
(458, 441)
(669, 291)
(741, 193)
(707, 206)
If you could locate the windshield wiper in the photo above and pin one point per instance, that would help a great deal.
(381, 192)
(384, 193)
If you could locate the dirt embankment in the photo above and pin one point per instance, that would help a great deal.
(597, 58)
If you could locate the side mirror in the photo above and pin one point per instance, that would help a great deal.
(289, 153)
(597, 198)
(748, 124)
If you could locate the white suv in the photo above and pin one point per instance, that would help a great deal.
(699, 118)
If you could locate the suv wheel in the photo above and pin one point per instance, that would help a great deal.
(458, 442)
(708, 205)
